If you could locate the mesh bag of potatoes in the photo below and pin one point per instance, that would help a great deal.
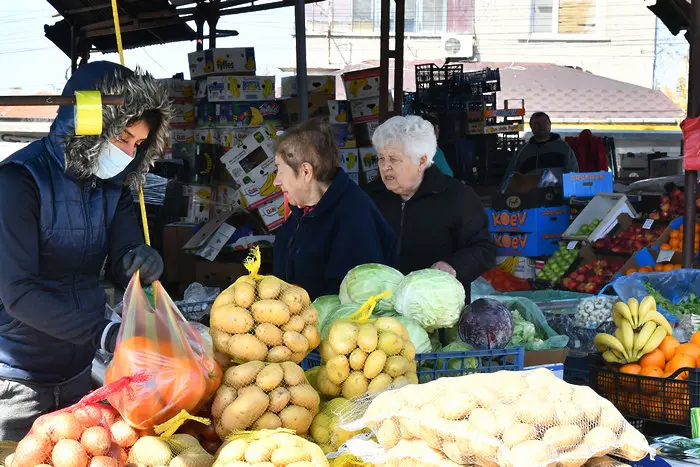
(263, 395)
(325, 430)
(178, 450)
(270, 448)
(508, 419)
(263, 318)
(363, 354)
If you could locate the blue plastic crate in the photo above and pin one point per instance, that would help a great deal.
(312, 360)
(587, 184)
(432, 366)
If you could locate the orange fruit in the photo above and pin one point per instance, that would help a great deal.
(666, 246)
(695, 339)
(678, 409)
(668, 347)
(654, 358)
(650, 386)
(680, 360)
(659, 268)
(630, 369)
(675, 234)
(630, 271)
(652, 407)
(689, 349)
(668, 267)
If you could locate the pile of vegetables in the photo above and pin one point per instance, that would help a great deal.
(270, 448)
(504, 282)
(594, 311)
(510, 419)
(365, 356)
(258, 395)
(325, 429)
(179, 450)
(689, 306)
(264, 319)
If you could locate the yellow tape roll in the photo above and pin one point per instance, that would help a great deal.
(88, 113)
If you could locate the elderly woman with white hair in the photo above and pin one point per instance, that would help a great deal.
(439, 220)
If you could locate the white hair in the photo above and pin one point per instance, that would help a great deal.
(415, 135)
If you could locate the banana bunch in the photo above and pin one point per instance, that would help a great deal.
(639, 329)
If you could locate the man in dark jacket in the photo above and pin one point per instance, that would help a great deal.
(333, 225)
(545, 150)
(440, 221)
(64, 208)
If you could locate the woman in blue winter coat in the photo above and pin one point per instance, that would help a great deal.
(65, 207)
(334, 225)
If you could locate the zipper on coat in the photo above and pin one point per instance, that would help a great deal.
(85, 188)
(403, 206)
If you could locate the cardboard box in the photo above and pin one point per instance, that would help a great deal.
(221, 61)
(666, 167)
(525, 268)
(365, 110)
(200, 89)
(183, 113)
(370, 175)
(229, 137)
(179, 266)
(253, 157)
(544, 220)
(217, 274)
(524, 192)
(318, 107)
(240, 114)
(179, 88)
(240, 88)
(665, 237)
(526, 244)
(228, 198)
(368, 159)
(179, 136)
(198, 199)
(349, 161)
(338, 112)
(322, 84)
(364, 131)
(272, 213)
(545, 357)
(587, 184)
(605, 207)
(344, 136)
(257, 190)
(634, 161)
(649, 257)
(206, 135)
(361, 84)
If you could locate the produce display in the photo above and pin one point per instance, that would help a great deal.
(509, 419)
(639, 329)
(631, 239)
(179, 450)
(432, 297)
(672, 204)
(261, 318)
(325, 430)
(486, 324)
(557, 265)
(592, 312)
(502, 281)
(587, 229)
(270, 448)
(365, 355)
(592, 277)
(205, 434)
(260, 395)
(368, 280)
(688, 306)
(675, 240)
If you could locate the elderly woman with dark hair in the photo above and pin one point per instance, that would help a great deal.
(333, 225)
(439, 220)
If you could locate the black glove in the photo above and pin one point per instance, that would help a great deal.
(145, 259)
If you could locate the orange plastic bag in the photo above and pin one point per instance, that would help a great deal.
(158, 340)
(87, 433)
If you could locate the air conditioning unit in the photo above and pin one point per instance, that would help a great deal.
(457, 45)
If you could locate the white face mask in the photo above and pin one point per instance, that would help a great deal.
(112, 161)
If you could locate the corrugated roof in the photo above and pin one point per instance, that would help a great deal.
(565, 93)
(143, 22)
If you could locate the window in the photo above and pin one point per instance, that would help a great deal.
(421, 16)
(363, 15)
(564, 17)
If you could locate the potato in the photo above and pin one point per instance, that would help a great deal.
(293, 374)
(268, 421)
(610, 417)
(456, 408)
(600, 440)
(244, 294)
(326, 351)
(532, 410)
(391, 325)
(295, 323)
(243, 375)
(357, 359)
(224, 396)
(312, 335)
(269, 288)
(568, 414)
(482, 420)
(150, 450)
(295, 342)
(355, 385)
(296, 418)
(325, 386)
(247, 408)
(531, 452)
(259, 450)
(285, 455)
(226, 297)
(399, 382)
(270, 311)
(269, 334)
(563, 437)
(409, 350)
(199, 458)
(633, 445)
(388, 434)
(412, 377)
(374, 364)
(220, 339)
(232, 451)
(343, 337)
(367, 338)
(338, 369)
(270, 377)
(298, 357)
(231, 319)
(293, 297)
(397, 366)
(279, 399)
(279, 354)
(247, 347)
(305, 396)
(390, 343)
(310, 315)
(379, 382)
(246, 280)
(518, 433)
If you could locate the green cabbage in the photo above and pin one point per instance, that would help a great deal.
(419, 336)
(523, 331)
(455, 363)
(433, 298)
(325, 306)
(343, 311)
(367, 280)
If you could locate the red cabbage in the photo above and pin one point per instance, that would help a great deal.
(486, 324)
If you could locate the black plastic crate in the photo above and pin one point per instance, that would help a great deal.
(661, 403)
(576, 369)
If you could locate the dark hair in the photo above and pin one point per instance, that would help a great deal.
(432, 119)
(312, 142)
(540, 114)
(151, 117)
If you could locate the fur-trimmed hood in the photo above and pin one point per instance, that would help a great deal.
(79, 154)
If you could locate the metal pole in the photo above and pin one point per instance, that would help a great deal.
(691, 176)
(398, 57)
(302, 81)
(53, 100)
(384, 60)
(73, 51)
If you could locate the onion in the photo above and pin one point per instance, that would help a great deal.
(96, 441)
(88, 415)
(69, 453)
(103, 461)
(33, 450)
(118, 453)
(64, 426)
(123, 434)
